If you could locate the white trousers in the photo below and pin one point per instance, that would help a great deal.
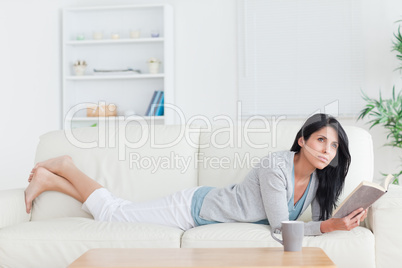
(173, 210)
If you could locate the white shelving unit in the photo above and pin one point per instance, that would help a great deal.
(90, 119)
(112, 41)
(127, 91)
(109, 77)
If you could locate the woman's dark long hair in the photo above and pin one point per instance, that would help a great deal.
(331, 179)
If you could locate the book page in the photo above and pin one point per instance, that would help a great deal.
(387, 181)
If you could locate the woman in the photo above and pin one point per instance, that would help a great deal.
(313, 171)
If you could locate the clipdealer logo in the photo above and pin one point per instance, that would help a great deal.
(114, 133)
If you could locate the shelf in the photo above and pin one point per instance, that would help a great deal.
(119, 7)
(117, 118)
(114, 77)
(130, 91)
(114, 41)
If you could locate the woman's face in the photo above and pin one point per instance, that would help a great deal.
(321, 147)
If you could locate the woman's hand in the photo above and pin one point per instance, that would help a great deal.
(364, 216)
(346, 223)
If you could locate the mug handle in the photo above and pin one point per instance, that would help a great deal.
(274, 237)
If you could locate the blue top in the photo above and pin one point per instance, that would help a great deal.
(294, 210)
(196, 204)
(199, 195)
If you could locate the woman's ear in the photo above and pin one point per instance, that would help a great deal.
(300, 141)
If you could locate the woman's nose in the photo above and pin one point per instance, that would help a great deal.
(327, 148)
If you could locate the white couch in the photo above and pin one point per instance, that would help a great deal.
(58, 231)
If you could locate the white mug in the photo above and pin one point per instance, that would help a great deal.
(292, 235)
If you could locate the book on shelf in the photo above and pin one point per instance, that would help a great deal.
(155, 106)
(160, 106)
(363, 196)
(153, 103)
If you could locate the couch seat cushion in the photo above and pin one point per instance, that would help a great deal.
(346, 249)
(229, 235)
(58, 242)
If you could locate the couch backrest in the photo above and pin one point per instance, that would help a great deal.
(139, 163)
(275, 138)
(127, 161)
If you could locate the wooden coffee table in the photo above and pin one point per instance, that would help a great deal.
(202, 257)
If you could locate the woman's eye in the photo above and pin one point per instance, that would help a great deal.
(335, 145)
(320, 139)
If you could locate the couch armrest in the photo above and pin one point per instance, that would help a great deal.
(384, 220)
(12, 207)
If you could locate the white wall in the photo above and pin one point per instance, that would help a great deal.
(205, 69)
(29, 84)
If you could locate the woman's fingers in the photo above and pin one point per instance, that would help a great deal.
(354, 213)
(353, 219)
(364, 215)
(349, 222)
(359, 218)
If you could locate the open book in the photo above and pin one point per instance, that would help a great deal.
(365, 194)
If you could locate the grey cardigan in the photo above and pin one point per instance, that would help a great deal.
(264, 194)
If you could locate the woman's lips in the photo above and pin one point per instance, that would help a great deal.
(323, 159)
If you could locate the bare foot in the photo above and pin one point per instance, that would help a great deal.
(54, 165)
(40, 182)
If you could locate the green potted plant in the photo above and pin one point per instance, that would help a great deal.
(397, 45)
(388, 113)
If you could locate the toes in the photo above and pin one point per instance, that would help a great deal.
(31, 174)
(28, 205)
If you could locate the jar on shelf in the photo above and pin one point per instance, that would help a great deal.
(97, 35)
(115, 35)
(154, 33)
(135, 33)
(79, 67)
(80, 37)
(153, 65)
